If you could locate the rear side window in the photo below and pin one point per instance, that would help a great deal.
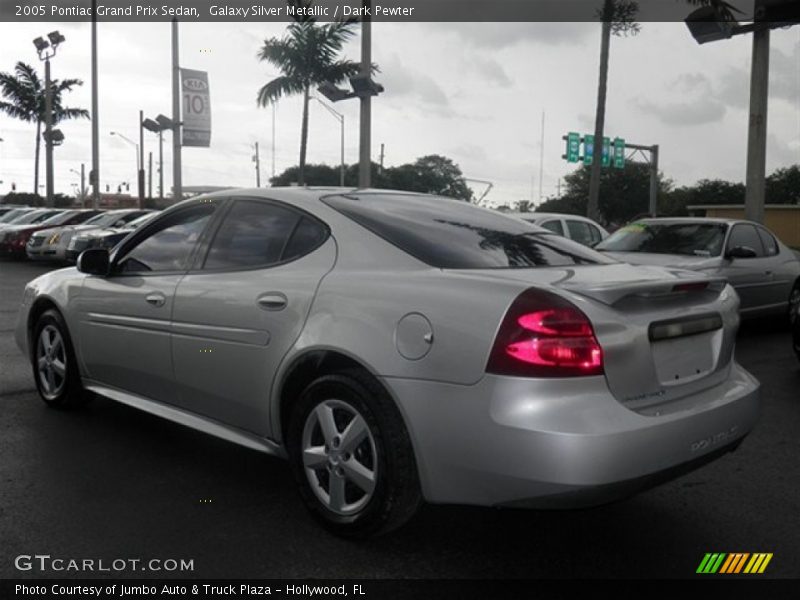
(745, 236)
(581, 232)
(555, 226)
(770, 244)
(451, 234)
(261, 234)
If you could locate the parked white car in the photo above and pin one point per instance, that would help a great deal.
(577, 228)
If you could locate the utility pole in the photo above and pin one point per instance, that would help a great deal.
(94, 179)
(160, 164)
(382, 155)
(273, 140)
(654, 181)
(541, 159)
(150, 178)
(593, 210)
(177, 180)
(757, 129)
(365, 137)
(48, 134)
(83, 184)
(257, 160)
(140, 173)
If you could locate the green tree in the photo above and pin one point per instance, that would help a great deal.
(624, 193)
(307, 56)
(431, 174)
(24, 99)
(783, 186)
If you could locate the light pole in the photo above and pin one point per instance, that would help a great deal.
(257, 160)
(47, 50)
(364, 89)
(340, 117)
(156, 126)
(708, 25)
(135, 145)
(82, 175)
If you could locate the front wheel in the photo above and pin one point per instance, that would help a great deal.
(352, 457)
(55, 369)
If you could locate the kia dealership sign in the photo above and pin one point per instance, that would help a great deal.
(196, 108)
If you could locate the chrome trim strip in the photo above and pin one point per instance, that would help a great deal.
(188, 419)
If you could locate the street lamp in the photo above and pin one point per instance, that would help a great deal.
(363, 89)
(82, 175)
(340, 117)
(156, 126)
(709, 25)
(132, 143)
(47, 48)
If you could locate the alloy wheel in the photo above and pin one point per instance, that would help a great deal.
(51, 362)
(339, 457)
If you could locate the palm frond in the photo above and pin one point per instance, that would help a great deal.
(278, 87)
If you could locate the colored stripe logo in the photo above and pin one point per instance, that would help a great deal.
(734, 563)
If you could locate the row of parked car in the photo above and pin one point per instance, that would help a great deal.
(400, 347)
(62, 234)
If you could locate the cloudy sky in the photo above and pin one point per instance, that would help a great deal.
(474, 92)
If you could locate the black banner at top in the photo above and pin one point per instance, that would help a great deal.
(332, 10)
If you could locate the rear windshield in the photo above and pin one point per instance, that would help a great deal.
(451, 234)
(689, 239)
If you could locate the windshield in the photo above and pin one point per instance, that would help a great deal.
(689, 239)
(106, 219)
(60, 218)
(140, 221)
(452, 234)
(34, 217)
(14, 214)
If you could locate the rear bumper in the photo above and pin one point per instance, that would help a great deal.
(562, 443)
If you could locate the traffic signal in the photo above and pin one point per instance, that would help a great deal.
(588, 149)
(606, 152)
(619, 153)
(573, 147)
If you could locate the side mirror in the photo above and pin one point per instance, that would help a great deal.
(741, 252)
(94, 261)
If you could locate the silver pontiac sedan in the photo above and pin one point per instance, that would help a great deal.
(400, 347)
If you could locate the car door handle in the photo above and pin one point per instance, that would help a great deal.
(272, 301)
(157, 299)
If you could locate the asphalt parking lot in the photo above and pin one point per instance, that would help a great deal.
(111, 482)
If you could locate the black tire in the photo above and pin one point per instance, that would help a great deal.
(396, 494)
(66, 391)
(794, 304)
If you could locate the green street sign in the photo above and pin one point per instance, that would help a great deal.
(606, 152)
(619, 153)
(588, 149)
(573, 147)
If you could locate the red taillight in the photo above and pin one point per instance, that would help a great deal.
(544, 335)
(697, 286)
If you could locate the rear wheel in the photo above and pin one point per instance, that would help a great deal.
(352, 457)
(55, 369)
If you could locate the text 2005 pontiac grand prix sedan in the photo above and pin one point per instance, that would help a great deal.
(397, 347)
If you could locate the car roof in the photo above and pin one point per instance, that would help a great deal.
(668, 220)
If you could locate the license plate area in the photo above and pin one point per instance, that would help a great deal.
(685, 359)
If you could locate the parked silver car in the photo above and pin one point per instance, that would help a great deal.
(399, 347)
(764, 272)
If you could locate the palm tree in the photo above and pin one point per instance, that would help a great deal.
(306, 57)
(618, 17)
(24, 95)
